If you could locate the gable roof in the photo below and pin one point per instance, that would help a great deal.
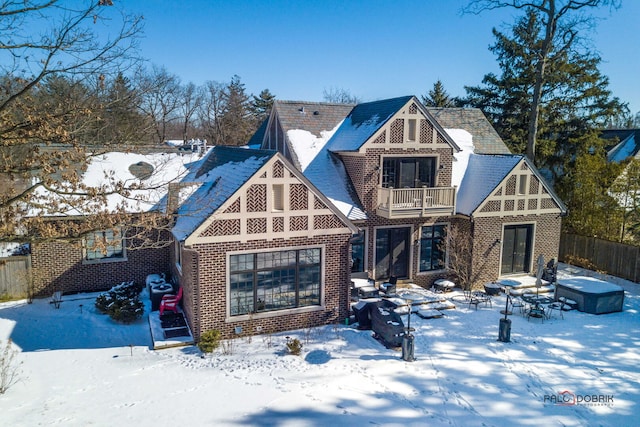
(222, 173)
(296, 116)
(485, 172)
(313, 117)
(485, 138)
(367, 118)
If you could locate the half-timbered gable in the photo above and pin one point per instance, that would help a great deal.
(277, 202)
(499, 186)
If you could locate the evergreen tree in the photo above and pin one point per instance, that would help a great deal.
(121, 119)
(593, 211)
(236, 122)
(573, 99)
(556, 42)
(626, 190)
(261, 105)
(438, 97)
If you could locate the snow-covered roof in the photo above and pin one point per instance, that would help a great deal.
(482, 175)
(325, 172)
(363, 121)
(143, 191)
(629, 145)
(221, 174)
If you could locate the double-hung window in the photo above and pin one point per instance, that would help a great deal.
(432, 247)
(104, 245)
(269, 281)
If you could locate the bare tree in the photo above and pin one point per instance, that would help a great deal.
(190, 101)
(42, 146)
(562, 22)
(339, 96)
(161, 95)
(211, 111)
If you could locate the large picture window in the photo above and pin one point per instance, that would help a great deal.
(432, 255)
(268, 281)
(104, 245)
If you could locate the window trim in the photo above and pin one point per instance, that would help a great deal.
(102, 260)
(229, 318)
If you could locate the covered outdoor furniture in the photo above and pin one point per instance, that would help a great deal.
(170, 302)
(443, 285)
(159, 290)
(362, 313)
(550, 272)
(387, 325)
(591, 295)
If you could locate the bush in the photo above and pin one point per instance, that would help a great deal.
(294, 346)
(9, 370)
(209, 341)
(121, 302)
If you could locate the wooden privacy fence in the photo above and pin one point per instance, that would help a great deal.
(614, 258)
(14, 276)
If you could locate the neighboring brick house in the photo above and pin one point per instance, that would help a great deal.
(404, 174)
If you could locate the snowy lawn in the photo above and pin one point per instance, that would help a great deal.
(80, 368)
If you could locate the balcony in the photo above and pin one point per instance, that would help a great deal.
(416, 202)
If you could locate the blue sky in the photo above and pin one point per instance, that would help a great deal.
(374, 49)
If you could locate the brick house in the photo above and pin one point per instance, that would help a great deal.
(268, 239)
(404, 174)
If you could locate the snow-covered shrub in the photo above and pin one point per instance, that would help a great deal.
(121, 302)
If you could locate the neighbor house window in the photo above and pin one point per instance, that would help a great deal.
(432, 253)
(268, 281)
(104, 245)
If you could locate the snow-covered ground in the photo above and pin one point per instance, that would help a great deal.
(79, 368)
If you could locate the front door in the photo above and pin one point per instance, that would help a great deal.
(516, 249)
(392, 252)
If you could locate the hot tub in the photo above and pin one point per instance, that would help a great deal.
(592, 295)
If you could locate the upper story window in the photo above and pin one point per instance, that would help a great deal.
(104, 245)
(278, 197)
(408, 172)
(522, 184)
(411, 129)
